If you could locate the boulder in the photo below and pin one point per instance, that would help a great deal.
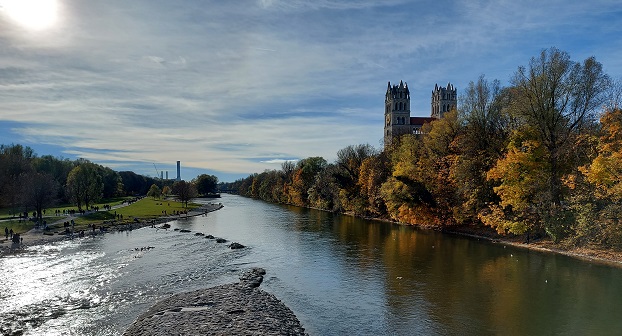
(235, 246)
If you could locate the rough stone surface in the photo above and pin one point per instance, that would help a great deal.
(232, 309)
(235, 246)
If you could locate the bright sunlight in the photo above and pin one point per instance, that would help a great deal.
(31, 14)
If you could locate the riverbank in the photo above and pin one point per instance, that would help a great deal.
(39, 237)
(232, 309)
(587, 253)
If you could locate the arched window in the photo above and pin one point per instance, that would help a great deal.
(400, 106)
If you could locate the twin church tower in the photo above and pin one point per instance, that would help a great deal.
(397, 119)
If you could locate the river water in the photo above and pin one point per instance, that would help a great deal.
(339, 274)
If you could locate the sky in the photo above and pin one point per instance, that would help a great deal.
(231, 88)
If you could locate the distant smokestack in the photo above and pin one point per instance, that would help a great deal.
(178, 171)
(161, 175)
(167, 174)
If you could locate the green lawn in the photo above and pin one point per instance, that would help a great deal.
(6, 212)
(16, 225)
(146, 208)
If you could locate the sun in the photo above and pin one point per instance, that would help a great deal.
(31, 14)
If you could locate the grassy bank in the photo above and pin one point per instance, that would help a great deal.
(144, 209)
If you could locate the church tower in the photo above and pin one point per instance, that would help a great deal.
(444, 99)
(396, 112)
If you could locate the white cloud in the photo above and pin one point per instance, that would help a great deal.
(238, 88)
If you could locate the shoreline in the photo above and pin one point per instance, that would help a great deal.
(592, 255)
(36, 237)
(589, 254)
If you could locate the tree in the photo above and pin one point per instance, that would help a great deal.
(205, 184)
(166, 190)
(15, 160)
(84, 185)
(405, 196)
(184, 191)
(349, 161)
(554, 100)
(59, 168)
(39, 190)
(154, 192)
(482, 142)
(303, 178)
(437, 165)
(373, 172)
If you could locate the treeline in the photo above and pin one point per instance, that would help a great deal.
(530, 159)
(32, 183)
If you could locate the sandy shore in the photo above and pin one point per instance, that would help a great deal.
(38, 237)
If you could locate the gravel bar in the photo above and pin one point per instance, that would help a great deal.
(232, 309)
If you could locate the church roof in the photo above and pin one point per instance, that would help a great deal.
(420, 120)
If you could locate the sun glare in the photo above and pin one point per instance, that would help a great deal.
(31, 14)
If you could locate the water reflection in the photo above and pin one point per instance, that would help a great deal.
(340, 275)
(439, 284)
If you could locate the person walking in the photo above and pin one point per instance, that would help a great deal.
(6, 232)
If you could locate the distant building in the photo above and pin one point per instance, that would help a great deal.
(397, 119)
(178, 171)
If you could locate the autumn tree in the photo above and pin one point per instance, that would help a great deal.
(349, 161)
(374, 171)
(184, 191)
(600, 208)
(324, 192)
(482, 142)
(405, 196)
(555, 99)
(437, 163)
(166, 190)
(302, 179)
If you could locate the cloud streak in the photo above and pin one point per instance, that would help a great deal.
(236, 89)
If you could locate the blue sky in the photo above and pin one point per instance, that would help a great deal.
(236, 87)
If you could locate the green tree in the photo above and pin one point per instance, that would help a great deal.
(205, 184)
(15, 160)
(84, 185)
(154, 192)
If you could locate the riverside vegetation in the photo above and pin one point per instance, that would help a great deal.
(540, 159)
(531, 159)
(37, 189)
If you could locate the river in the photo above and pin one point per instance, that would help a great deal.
(340, 275)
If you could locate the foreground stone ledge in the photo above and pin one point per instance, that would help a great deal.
(232, 309)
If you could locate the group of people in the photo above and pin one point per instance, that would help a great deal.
(15, 237)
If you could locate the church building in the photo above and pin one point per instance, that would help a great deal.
(397, 119)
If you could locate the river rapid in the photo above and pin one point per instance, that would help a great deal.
(339, 274)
